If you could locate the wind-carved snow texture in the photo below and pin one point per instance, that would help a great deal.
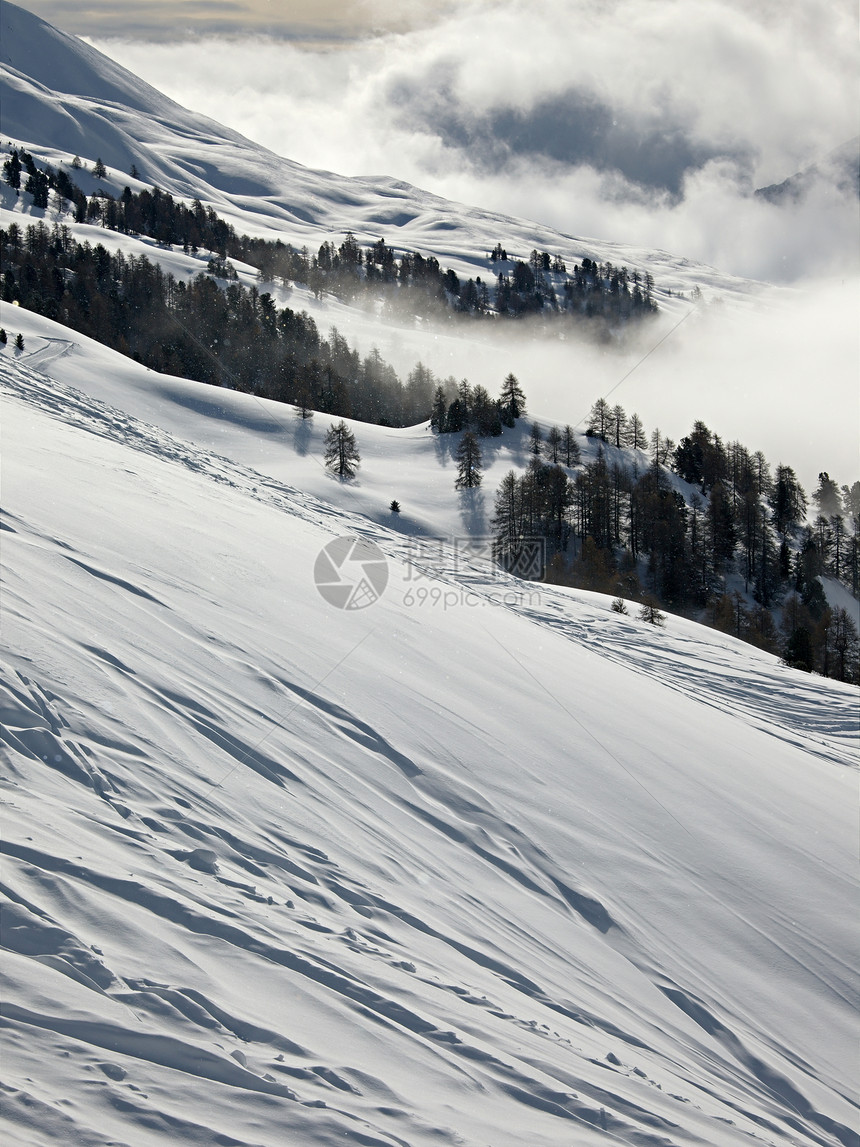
(484, 864)
(510, 869)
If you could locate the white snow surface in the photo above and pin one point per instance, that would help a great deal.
(483, 863)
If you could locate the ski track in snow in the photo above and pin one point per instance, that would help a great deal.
(500, 869)
(505, 1001)
(798, 707)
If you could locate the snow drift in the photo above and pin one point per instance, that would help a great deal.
(473, 865)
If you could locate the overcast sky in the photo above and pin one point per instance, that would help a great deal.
(648, 122)
(167, 19)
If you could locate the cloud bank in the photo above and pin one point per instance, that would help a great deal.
(640, 122)
(779, 376)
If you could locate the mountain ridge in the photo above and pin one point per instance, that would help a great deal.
(192, 156)
(838, 171)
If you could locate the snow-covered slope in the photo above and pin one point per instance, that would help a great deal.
(483, 863)
(59, 95)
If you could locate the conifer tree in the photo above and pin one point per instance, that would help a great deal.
(303, 406)
(12, 171)
(826, 496)
(787, 500)
(619, 426)
(651, 613)
(507, 519)
(438, 412)
(468, 463)
(570, 447)
(553, 444)
(512, 400)
(341, 451)
(600, 420)
(636, 433)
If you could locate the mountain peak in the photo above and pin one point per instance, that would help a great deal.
(838, 171)
(36, 50)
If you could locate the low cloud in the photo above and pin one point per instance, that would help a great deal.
(640, 122)
(778, 374)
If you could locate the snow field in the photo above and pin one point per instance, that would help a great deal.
(501, 842)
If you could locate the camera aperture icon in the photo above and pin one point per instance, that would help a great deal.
(351, 573)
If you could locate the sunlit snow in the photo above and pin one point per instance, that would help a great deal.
(482, 864)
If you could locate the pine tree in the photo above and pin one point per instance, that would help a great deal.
(12, 171)
(99, 169)
(507, 520)
(600, 420)
(650, 612)
(787, 501)
(438, 412)
(553, 444)
(851, 500)
(636, 432)
(39, 188)
(468, 463)
(570, 447)
(394, 506)
(341, 451)
(512, 400)
(485, 413)
(466, 400)
(4, 338)
(826, 496)
(844, 646)
(303, 406)
(535, 439)
(662, 449)
(619, 426)
(19, 341)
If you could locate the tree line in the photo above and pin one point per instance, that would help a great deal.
(226, 335)
(610, 525)
(597, 293)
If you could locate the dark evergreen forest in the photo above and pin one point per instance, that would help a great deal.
(729, 552)
(215, 330)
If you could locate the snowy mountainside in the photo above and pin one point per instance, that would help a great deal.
(482, 864)
(60, 97)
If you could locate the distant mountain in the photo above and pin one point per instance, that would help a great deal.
(839, 172)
